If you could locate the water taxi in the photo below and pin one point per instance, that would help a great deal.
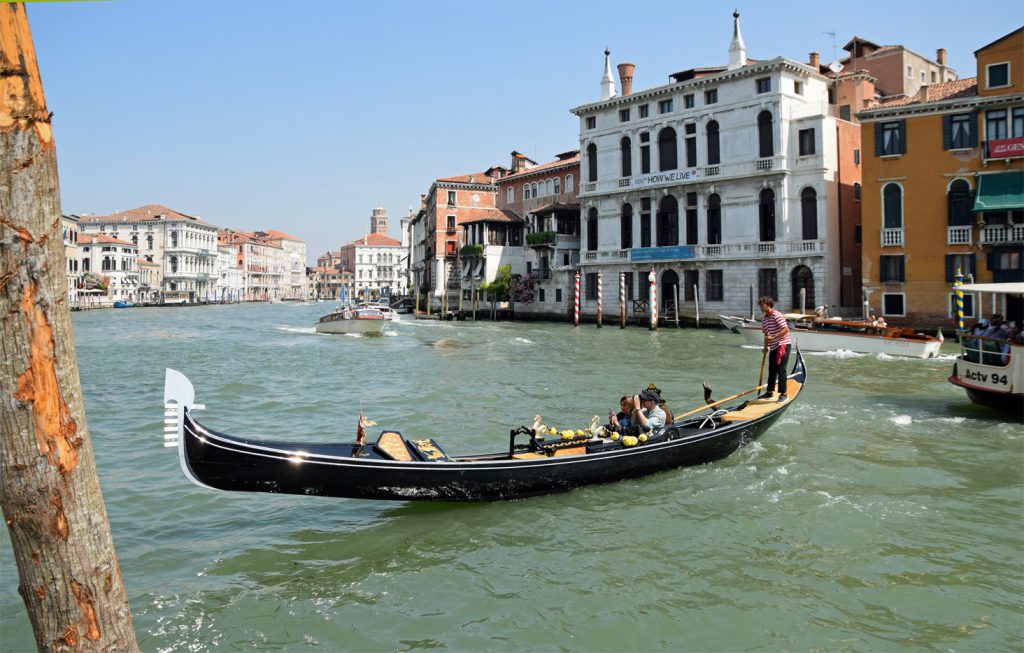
(363, 320)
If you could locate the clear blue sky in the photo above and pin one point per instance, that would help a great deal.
(304, 116)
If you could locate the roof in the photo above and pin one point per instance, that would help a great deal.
(147, 264)
(147, 213)
(274, 233)
(376, 240)
(1001, 38)
(857, 39)
(102, 239)
(568, 161)
(471, 178)
(555, 206)
(492, 215)
(958, 88)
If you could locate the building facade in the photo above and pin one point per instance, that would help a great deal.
(114, 263)
(944, 191)
(293, 278)
(376, 261)
(72, 264)
(262, 265)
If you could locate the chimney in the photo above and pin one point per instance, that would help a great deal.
(815, 61)
(626, 77)
(940, 56)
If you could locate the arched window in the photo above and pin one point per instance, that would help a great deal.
(526, 191)
(558, 186)
(174, 264)
(809, 213)
(714, 153)
(766, 212)
(135, 239)
(568, 183)
(533, 190)
(714, 220)
(961, 201)
(668, 222)
(591, 162)
(765, 139)
(626, 227)
(592, 230)
(626, 150)
(892, 207)
(510, 195)
(174, 239)
(667, 156)
(856, 191)
(547, 187)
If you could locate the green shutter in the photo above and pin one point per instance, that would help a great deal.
(878, 138)
(903, 137)
(947, 132)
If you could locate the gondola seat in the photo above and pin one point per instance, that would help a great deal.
(391, 445)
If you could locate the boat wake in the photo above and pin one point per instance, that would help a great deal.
(525, 341)
(288, 329)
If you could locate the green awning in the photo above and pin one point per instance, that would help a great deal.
(1003, 191)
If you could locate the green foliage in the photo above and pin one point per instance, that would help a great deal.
(541, 238)
(470, 251)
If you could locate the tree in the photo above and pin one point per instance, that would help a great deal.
(522, 289)
(49, 492)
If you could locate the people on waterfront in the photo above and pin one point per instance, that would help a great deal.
(776, 348)
(620, 422)
(646, 413)
(821, 313)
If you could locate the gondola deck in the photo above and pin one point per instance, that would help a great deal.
(399, 468)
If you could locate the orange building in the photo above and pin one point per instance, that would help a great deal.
(943, 189)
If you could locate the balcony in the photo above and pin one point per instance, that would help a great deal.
(892, 237)
(541, 273)
(766, 248)
(762, 249)
(541, 239)
(958, 235)
(764, 164)
(999, 234)
(624, 182)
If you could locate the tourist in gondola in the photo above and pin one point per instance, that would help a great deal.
(776, 348)
(619, 422)
(646, 412)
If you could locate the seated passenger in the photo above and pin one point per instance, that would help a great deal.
(646, 412)
(662, 404)
(619, 422)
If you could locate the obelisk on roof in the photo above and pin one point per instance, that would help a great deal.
(737, 50)
(607, 82)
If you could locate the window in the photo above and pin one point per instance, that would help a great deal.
(668, 222)
(558, 295)
(768, 283)
(960, 201)
(892, 207)
(526, 191)
(910, 72)
(665, 106)
(691, 280)
(450, 224)
(623, 115)
(798, 88)
(958, 131)
(997, 74)
(809, 213)
(856, 191)
(451, 198)
(714, 151)
(556, 186)
(568, 183)
(645, 153)
(688, 101)
(591, 122)
(691, 145)
(893, 304)
(641, 111)
(626, 153)
(890, 268)
(962, 262)
(540, 295)
(890, 138)
(806, 137)
(765, 140)
(714, 220)
(711, 97)
(715, 291)
(763, 85)
(591, 162)
(968, 304)
(857, 234)
(995, 125)
(626, 227)
(1017, 128)
(856, 156)
(645, 222)
(628, 282)
(766, 214)
(590, 281)
(844, 112)
(667, 156)
(533, 190)
(510, 195)
(924, 79)
(691, 218)
(592, 230)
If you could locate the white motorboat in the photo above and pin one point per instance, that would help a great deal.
(834, 334)
(991, 370)
(368, 320)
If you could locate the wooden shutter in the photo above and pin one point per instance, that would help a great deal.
(973, 138)
(883, 269)
(947, 132)
(901, 271)
(903, 137)
(950, 271)
(878, 138)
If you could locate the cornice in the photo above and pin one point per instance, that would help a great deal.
(938, 107)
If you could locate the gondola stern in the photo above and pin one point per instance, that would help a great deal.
(179, 396)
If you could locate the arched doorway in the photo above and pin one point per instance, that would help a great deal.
(803, 279)
(669, 284)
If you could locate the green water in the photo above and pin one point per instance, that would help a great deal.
(884, 512)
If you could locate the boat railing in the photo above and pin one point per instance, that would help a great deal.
(988, 351)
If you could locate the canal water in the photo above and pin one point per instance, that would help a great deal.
(884, 512)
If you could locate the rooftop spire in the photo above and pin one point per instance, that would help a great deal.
(607, 82)
(737, 50)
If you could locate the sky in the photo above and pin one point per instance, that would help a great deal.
(304, 116)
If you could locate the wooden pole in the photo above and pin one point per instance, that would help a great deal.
(622, 300)
(600, 283)
(653, 295)
(68, 576)
(696, 304)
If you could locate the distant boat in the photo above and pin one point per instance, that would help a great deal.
(365, 319)
(123, 304)
(834, 335)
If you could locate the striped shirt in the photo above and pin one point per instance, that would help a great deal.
(773, 324)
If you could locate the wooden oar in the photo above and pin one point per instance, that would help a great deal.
(764, 357)
(720, 401)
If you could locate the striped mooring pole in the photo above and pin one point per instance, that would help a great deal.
(576, 311)
(600, 283)
(652, 277)
(622, 300)
(959, 281)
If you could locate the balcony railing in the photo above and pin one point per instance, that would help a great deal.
(766, 248)
(892, 237)
(589, 186)
(749, 250)
(998, 234)
(541, 238)
(540, 273)
(960, 235)
(712, 171)
(764, 164)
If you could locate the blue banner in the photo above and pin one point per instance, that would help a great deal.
(663, 253)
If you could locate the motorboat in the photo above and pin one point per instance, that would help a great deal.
(402, 468)
(368, 320)
(812, 334)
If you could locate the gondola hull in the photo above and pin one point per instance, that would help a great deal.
(224, 462)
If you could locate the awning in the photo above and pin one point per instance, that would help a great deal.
(1003, 191)
(1011, 288)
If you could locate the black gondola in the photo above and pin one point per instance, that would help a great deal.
(396, 468)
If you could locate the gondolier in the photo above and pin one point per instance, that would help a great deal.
(776, 347)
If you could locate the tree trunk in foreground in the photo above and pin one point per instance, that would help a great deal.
(49, 491)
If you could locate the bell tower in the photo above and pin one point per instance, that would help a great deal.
(379, 221)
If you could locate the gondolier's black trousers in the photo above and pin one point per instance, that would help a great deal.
(777, 366)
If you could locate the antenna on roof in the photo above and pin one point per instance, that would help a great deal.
(835, 66)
